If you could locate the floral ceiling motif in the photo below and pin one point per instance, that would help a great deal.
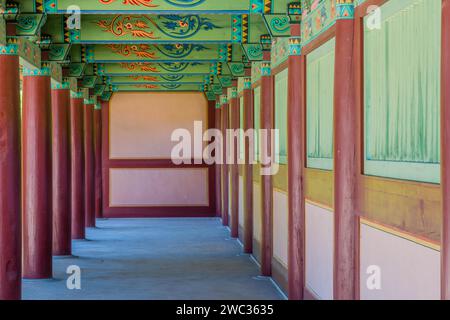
(140, 26)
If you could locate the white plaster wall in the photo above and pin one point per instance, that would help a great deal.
(409, 271)
(319, 251)
(257, 211)
(142, 187)
(280, 227)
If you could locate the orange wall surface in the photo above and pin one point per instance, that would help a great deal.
(141, 124)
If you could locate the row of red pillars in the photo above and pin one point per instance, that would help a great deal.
(346, 273)
(345, 253)
(50, 172)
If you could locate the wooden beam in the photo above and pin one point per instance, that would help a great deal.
(89, 166)
(98, 158)
(248, 168)
(345, 163)
(225, 178)
(267, 123)
(77, 166)
(10, 181)
(37, 170)
(234, 167)
(445, 151)
(219, 156)
(62, 241)
(296, 164)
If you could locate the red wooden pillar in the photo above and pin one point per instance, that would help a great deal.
(248, 167)
(89, 164)
(219, 157)
(234, 167)
(345, 163)
(37, 172)
(225, 173)
(62, 240)
(10, 184)
(77, 166)
(98, 158)
(445, 151)
(296, 151)
(267, 123)
(105, 152)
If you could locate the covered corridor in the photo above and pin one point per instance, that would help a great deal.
(143, 141)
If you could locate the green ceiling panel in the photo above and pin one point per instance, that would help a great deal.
(145, 68)
(158, 29)
(155, 53)
(54, 27)
(279, 6)
(28, 6)
(158, 87)
(152, 79)
(257, 28)
(156, 45)
(155, 6)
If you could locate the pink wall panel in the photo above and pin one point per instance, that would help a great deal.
(406, 270)
(319, 250)
(159, 187)
(280, 227)
(257, 226)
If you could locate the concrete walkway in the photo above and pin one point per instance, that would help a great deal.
(156, 259)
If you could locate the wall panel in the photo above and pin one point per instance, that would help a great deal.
(141, 124)
(257, 211)
(140, 178)
(408, 269)
(319, 251)
(280, 227)
(158, 187)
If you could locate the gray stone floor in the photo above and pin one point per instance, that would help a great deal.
(156, 259)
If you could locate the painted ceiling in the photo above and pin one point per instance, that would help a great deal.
(102, 46)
